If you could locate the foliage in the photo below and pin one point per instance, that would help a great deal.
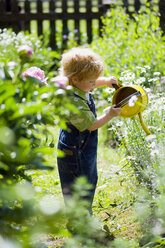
(127, 43)
(27, 106)
(23, 147)
(143, 155)
(130, 132)
(79, 219)
(133, 50)
(42, 57)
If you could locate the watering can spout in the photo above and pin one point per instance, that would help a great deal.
(143, 125)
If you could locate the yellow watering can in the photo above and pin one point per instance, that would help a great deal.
(122, 96)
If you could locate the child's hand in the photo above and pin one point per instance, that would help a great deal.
(114, 111)
(111, 80)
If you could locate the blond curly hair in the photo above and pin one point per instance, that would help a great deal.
(82, 63)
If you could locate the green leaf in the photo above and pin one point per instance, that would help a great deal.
(60, 153)
(28, 108)
(6, 90)
(34, 80)
(43, 150)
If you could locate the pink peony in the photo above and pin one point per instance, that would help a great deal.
(35, 72)
(25, 50)
(61, 81)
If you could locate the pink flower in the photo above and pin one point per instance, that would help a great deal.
(35, 72)
(25, 50)
(60, 81)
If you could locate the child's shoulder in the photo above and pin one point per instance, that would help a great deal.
(78, 101)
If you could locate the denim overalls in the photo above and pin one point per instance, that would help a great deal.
(80, 149)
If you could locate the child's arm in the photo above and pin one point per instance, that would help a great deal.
(105, 81)
(102, 120)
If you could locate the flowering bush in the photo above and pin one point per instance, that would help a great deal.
(25, 51)
(25, 140)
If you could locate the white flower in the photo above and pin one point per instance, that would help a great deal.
(140, 80)
(147, 67)
(154, 152)
(102, 187)
(152, 145)
(156, 73)
(131, 158)
(150, 80)
(150, 137)
(143, 70)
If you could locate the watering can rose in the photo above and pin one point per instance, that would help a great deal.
(35, 73)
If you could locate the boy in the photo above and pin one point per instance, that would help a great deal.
(84, 69)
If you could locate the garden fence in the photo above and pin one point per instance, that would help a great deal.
(48, 16)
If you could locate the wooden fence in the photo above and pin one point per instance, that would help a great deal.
(25, 14)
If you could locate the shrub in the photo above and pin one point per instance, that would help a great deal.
(29, 103)
(127, 43)
(15, 57)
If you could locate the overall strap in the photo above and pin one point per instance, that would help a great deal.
(90, 103)
(87, 102)
(81, 98)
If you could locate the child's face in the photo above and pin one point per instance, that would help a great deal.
(85, 85)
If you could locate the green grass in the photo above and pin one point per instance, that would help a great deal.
(114, 193)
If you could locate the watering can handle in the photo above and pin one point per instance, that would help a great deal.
(115, 86)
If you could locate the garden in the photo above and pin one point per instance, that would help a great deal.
(128, 209)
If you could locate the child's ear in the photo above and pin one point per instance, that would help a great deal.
(74, 79)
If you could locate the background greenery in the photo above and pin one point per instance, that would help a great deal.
(129, 201)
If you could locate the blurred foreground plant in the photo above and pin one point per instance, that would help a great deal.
(27, 107)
